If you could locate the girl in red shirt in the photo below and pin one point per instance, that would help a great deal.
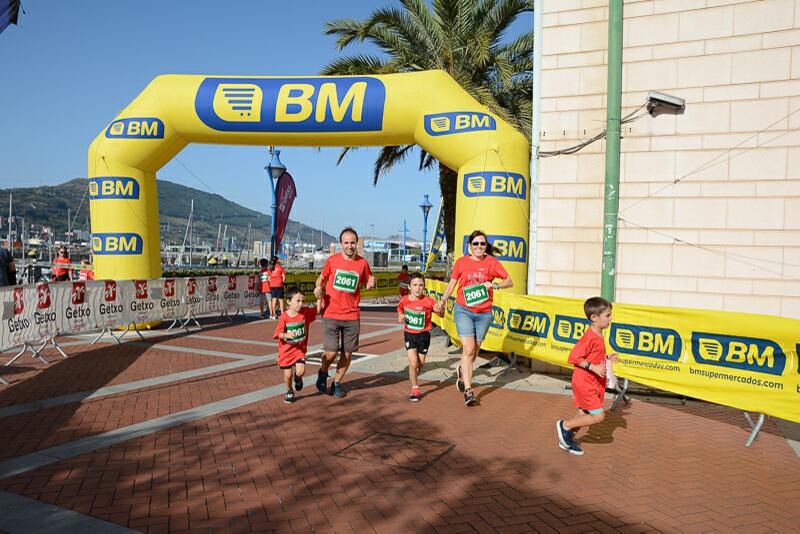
(474, 275)
(263, 286)
(292, 335)
(414, 311)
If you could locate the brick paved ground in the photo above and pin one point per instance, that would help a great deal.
(374, 461)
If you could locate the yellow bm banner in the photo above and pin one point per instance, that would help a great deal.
(742, 360)
(386, 285)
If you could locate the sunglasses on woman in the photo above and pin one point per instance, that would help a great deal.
(479, 243)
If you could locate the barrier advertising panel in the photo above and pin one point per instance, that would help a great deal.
(742, 360)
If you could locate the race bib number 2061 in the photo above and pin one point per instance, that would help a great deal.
(345, 281)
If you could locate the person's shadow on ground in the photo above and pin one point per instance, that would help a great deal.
(604, 432)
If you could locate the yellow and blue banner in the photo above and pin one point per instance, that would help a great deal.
(438, 238)
(742, 360)
(425, 108)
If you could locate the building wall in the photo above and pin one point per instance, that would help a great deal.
(710, 200)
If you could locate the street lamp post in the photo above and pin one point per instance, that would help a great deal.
(274, 170)
(425, 207)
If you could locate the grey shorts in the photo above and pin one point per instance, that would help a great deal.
(340, 335)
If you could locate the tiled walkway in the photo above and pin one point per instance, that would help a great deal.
(198, 438)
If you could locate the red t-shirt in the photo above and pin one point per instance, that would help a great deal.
(471, 275)
(417, 313)
(588, 389)
(86, 274)
(60, 271)
(276, 276)
(263, 278)
(289, 352)
(343, 286)
(403, 285)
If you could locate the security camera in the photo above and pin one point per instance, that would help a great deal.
(661, 103)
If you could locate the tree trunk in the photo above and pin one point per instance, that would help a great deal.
(448, 180)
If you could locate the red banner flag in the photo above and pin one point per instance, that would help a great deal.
(285, 193)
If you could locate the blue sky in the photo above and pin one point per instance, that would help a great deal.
(69, 67)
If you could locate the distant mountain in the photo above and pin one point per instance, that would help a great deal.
(48, 205)
(399, 237)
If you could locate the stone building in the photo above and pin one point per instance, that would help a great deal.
(709, 200)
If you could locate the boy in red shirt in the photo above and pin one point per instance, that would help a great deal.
(292, 335)
(403, 280)
(263, 279)
(589, 377)
(414, 311)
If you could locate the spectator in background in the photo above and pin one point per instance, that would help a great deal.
(8, 271)
(86, 272)
(61, 274)
(403, 279)
(277, 277)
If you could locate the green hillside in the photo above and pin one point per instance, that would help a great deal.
(48, 205)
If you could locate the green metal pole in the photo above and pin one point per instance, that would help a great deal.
(613, 113)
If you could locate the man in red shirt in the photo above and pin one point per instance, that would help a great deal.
(342, 277)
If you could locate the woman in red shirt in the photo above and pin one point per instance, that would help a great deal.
(472, 313)
(61, 274)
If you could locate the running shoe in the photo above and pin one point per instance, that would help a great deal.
(338, 390)
(574, 449)
(459, 382)
(469, 398)
(415, 395)
(322, 381)
(564, 435)
(298, 383)
(289, 397)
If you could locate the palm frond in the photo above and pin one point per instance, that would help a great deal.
(346, 150)
(355, 65)
(346, 30)
(389, 157)
(503, 13)
(419, 11)
(426, 161)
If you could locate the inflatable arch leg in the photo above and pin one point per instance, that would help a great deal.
(426, 108)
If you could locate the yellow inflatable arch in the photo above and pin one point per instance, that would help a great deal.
(427, 108)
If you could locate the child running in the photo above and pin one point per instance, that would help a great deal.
(292, 335)
(263, 286)
(589, 377)
(414, 311)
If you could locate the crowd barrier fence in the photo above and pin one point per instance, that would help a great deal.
(742, 360)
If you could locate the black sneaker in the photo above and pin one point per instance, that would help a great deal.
(564, 435)
(459, 382)
(322, 381)
(298, 383)
(469, 398)
(415, 395)
(574, 449)
(289, 397)
(337, 390)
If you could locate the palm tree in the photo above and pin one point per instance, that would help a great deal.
(465, 38)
